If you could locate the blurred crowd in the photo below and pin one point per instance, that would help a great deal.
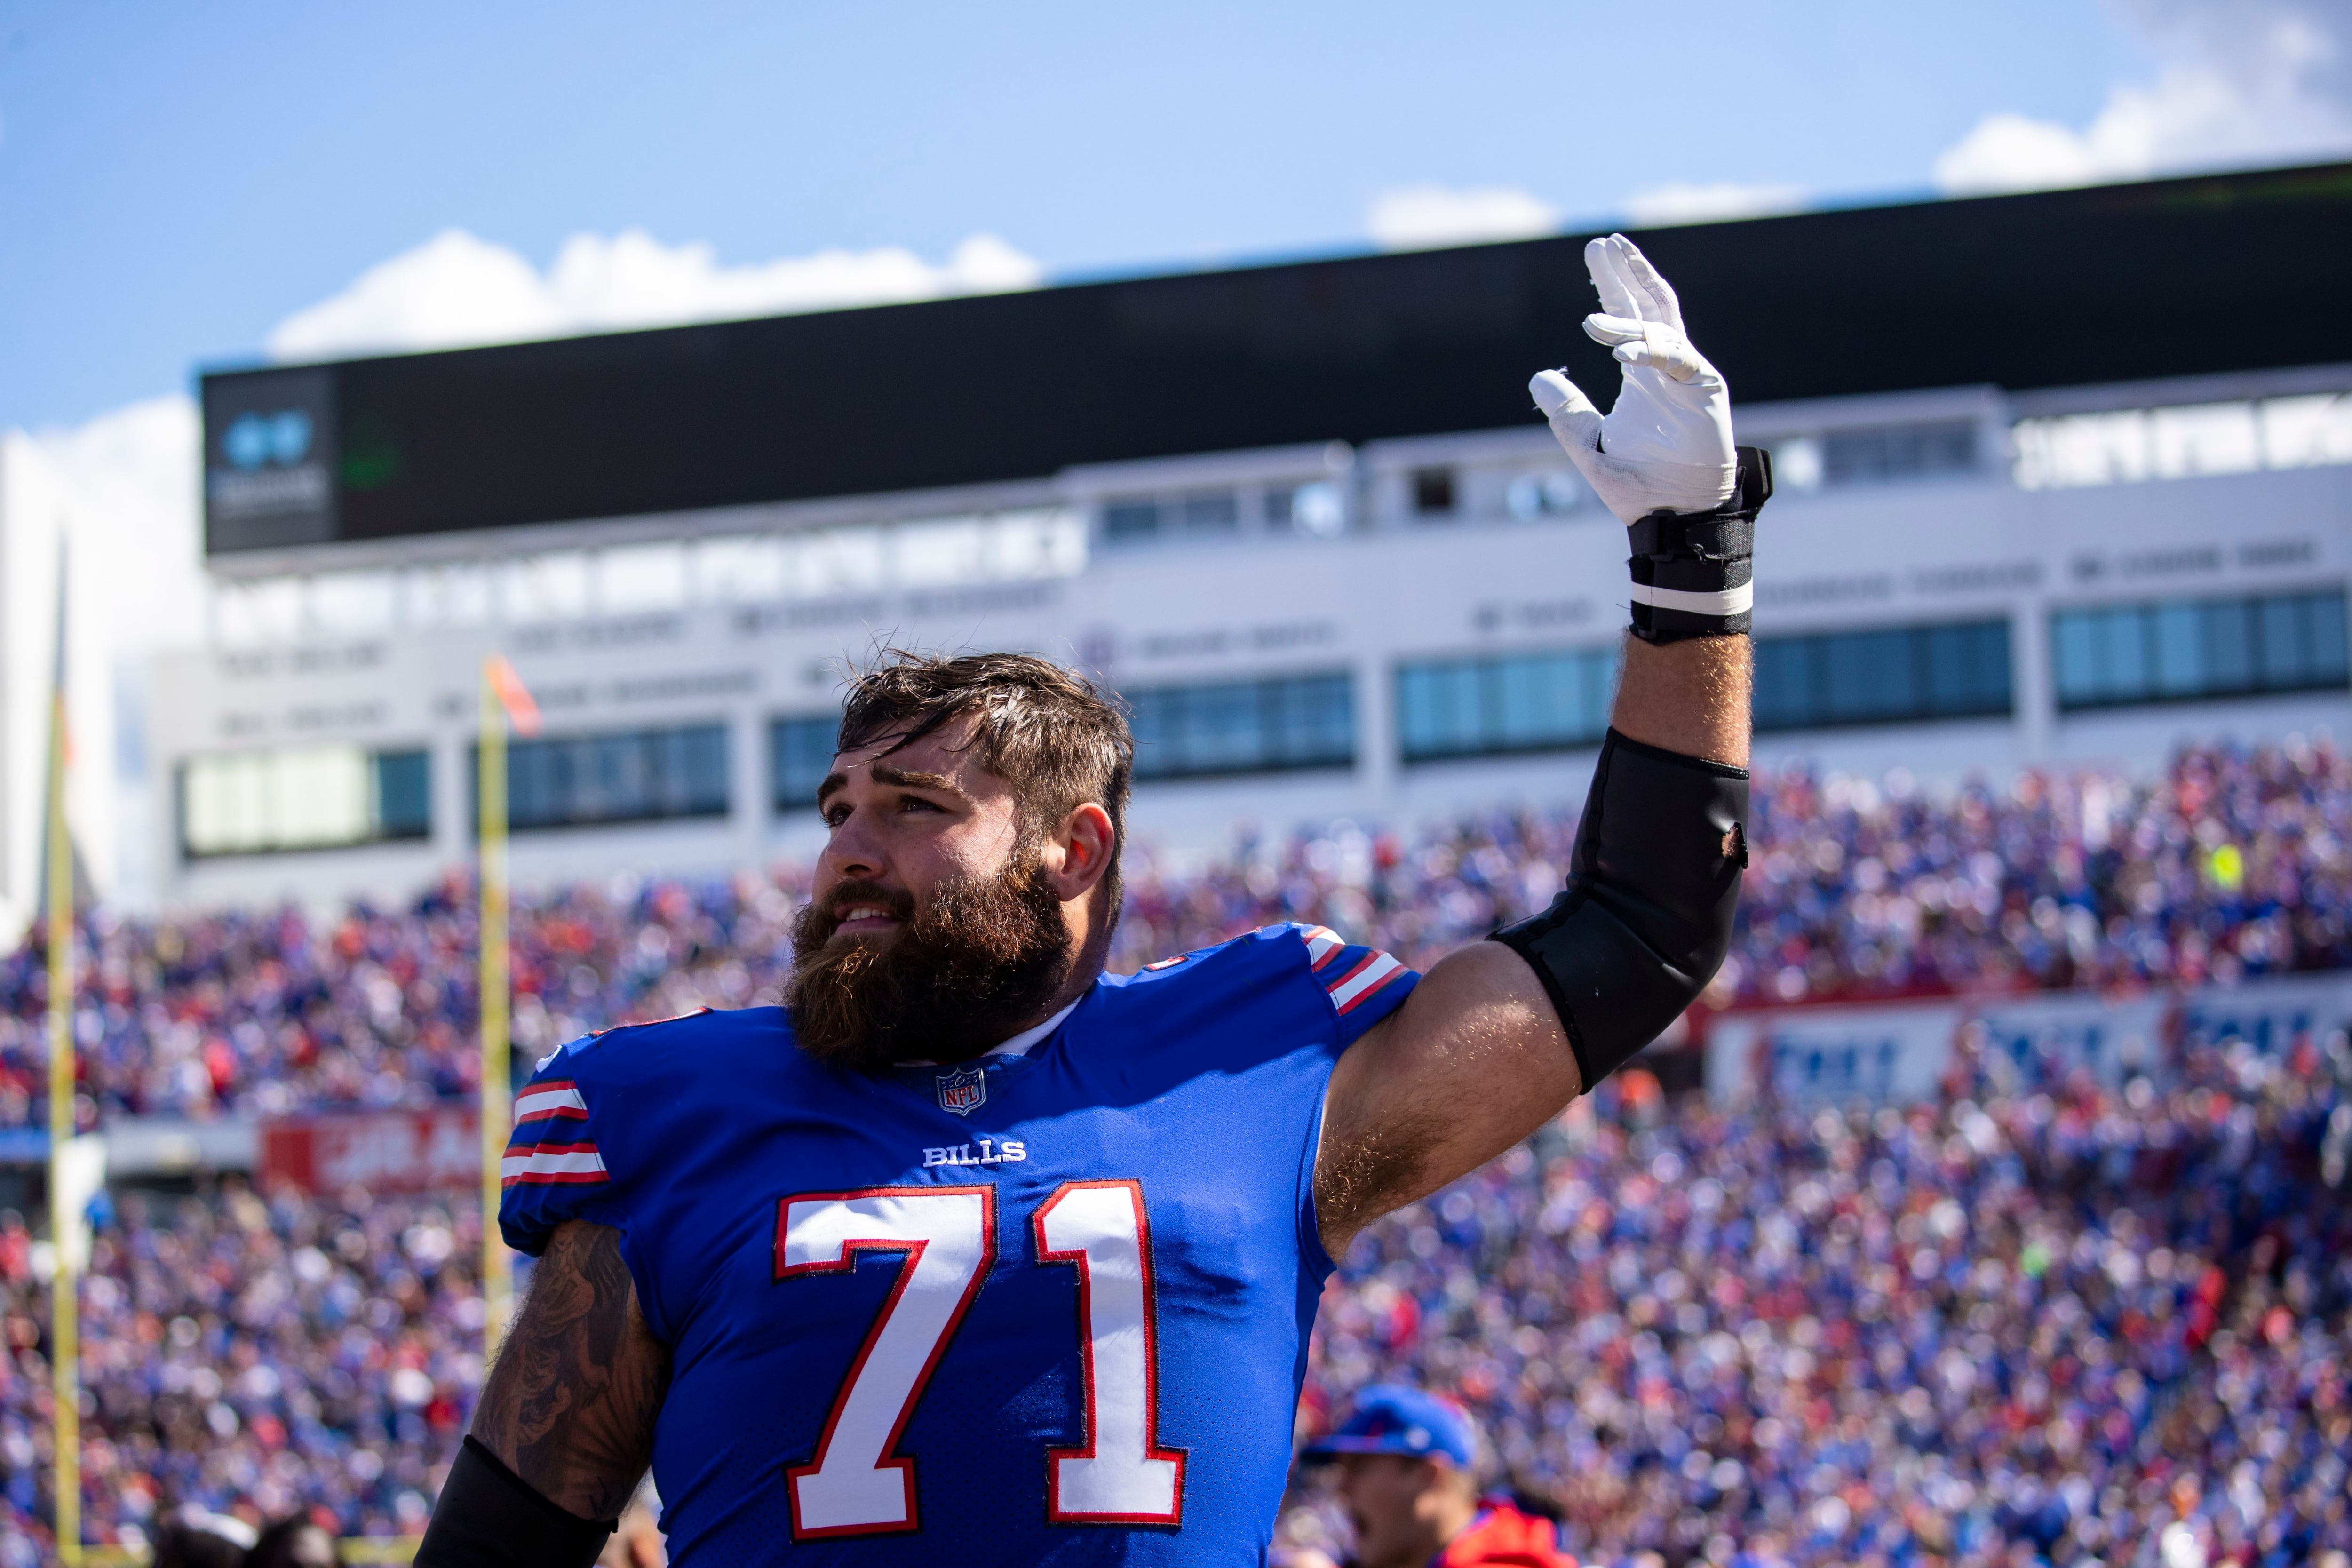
(2234, 863)
(259, 1014)
(256, 1358)
(2066, 1325)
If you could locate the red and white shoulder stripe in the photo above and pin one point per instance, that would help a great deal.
(1351, 975)
(1322, 942)
(557, 1097)
(550, 1163)
(546, 1148)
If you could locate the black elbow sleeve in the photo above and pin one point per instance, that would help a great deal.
(1645, 919)
(488, 1517)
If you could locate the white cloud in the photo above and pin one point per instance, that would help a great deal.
(122, 491)
(1420, 217)
(1672, 204)
(127, 489)
(455, 289)
(2241, 83)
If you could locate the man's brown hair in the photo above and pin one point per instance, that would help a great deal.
(1059, 740)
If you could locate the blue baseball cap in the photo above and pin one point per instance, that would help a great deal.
(1390, 1418)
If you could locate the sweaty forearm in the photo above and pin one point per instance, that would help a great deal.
(1691, 697)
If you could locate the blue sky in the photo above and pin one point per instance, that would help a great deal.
(177, 180)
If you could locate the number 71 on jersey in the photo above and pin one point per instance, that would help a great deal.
(857, 1484)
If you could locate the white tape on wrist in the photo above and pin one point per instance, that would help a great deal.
(1729, 602)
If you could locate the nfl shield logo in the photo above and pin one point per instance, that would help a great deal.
(963, 1090)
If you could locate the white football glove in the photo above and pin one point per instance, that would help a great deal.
(1667, 443)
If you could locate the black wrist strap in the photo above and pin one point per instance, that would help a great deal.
(1692, 572)
(488, 1517)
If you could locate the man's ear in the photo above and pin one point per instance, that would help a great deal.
(1086, 839)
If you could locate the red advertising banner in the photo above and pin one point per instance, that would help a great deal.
(383, 1151)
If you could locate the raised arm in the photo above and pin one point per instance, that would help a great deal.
(1501, 1035)
(565, 1426)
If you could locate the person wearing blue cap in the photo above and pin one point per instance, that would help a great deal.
(1408, 1466)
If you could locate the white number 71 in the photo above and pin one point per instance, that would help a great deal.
(856, 1484)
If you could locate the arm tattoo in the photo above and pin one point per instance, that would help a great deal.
(570, 1404)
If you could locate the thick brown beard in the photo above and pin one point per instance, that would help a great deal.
(967, 971)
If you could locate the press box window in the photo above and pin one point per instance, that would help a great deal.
(1880, 453)
(1244, 727)
(800, 753)
(637, 775)
(1131, 520)
(1433, 492)
(315, 797)
(1203, 514)
(1216, 512)
(1517, 703)
(1890, 452)
(2179, 650)
(1894, 675)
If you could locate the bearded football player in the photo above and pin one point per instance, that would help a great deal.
(969, 1252)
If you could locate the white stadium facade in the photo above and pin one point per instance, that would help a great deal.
(2054, 488)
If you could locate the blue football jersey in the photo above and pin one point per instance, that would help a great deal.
(1050, 1307)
